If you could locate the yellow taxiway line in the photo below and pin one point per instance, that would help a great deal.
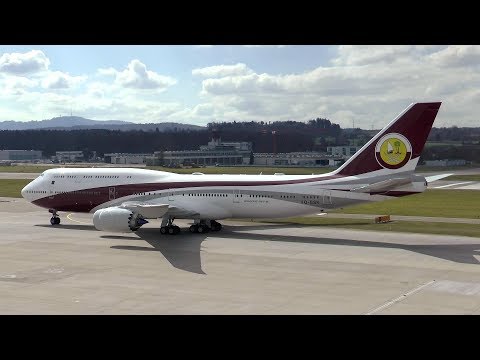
(80, 222)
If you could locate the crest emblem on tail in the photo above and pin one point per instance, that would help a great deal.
(393, 151)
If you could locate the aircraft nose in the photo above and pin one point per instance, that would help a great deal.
(24, 192)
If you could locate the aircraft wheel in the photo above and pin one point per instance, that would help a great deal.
(193, 228)
(163, 230)
(176, 230)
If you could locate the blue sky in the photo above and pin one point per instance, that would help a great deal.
(199, 84)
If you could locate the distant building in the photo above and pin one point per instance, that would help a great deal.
(445, 162)
(122, 158)
(215, 152)
(20, 155)
(68, 156)
(296, 159)
(345, 151)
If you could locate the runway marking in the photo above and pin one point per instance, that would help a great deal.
(80, 222)
(400, 298)
(460, 183)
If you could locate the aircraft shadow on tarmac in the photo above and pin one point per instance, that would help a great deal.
(183, 251)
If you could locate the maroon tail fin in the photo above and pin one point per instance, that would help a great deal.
(398, 145)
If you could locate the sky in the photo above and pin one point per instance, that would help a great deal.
(364, 86)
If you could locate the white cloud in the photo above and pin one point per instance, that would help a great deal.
(107, 71)
(367, 84)
(265, 46)
(457, 55)
(60, 80)
(24, 63)
(137, 76)
(222, 70)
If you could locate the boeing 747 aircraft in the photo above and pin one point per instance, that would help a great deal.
(122, 199)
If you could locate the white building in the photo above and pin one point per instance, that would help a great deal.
(20, 155)
(215, 152)
(122, 158)
(68, 156)
(344, 151)
(296, 159)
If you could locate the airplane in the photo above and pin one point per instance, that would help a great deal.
(122, 199)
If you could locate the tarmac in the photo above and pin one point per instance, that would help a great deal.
(247, 268)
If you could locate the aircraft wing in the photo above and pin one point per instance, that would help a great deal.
(436, 177)
(148, 211)
(153, 211)
(384, 185)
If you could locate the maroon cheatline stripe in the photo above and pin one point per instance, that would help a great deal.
(79, 201)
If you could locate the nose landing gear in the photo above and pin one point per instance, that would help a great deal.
(55, 219)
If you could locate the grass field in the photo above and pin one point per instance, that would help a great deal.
(12, 188)
(463, 178)
(445, 169)
(443, 203)
(394, 226)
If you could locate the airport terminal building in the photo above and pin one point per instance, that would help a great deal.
(297, 159)
(20, 155)
(215, 152)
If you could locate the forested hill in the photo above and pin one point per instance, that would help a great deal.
(279, 137)
(76, 123)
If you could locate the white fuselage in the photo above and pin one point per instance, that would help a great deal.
(210, 196)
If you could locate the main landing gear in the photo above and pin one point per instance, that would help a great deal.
(202, 227)
(55, 219)
(167, 227)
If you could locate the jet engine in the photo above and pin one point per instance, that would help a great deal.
(116, 219)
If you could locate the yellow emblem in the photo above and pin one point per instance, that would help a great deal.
(393, 151)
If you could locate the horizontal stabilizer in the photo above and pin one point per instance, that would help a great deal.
(436, 177)
(384, 185)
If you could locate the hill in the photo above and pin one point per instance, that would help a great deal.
(80, 123)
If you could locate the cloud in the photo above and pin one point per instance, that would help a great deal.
(265, 46)
(24, 63)
(457, 55)
(367, 84)
(60, 80)
(107, 71)
(137, 76)
(222, 70)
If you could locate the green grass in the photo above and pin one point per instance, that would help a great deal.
(394, 226)
(24, 168)
(424, 168)
(12, 188)
(442, 203)
(463, 178)
(246, 170)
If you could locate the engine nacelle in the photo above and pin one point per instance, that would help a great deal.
(116, 219)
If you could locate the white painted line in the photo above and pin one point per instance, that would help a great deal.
(80, 222)
(460, 183)
(400, 298)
